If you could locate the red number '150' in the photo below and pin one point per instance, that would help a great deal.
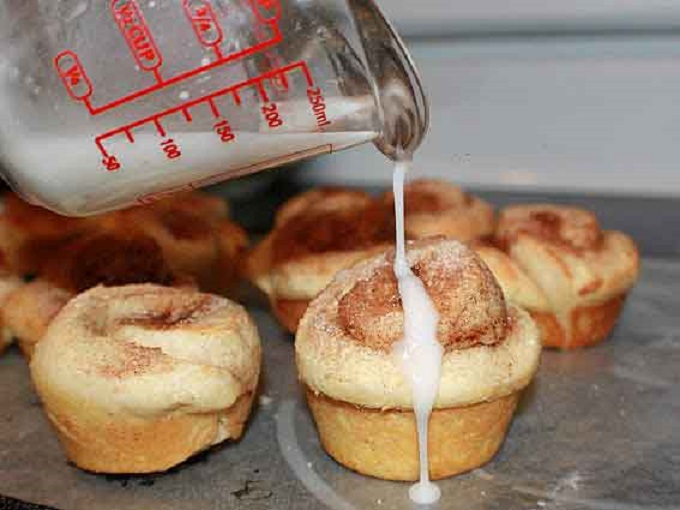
(171, 149)
(223, 130)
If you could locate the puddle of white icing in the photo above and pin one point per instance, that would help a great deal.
(419, 352)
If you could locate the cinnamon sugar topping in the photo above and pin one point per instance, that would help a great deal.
(568, 227)
(134, 360)
(169, 313)
(469, 302)
(332, 231)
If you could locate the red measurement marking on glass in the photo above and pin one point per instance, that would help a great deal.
(224, 131)
(171, 149)
(273, 59)
(159, 127)
(205, 24)
(271, 115)
(137, 35)
(266, 11)
(318, 103)
(73, 75)
(269, 111)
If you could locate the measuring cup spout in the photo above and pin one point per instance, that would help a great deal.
(402, 103)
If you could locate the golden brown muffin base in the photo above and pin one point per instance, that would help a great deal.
(588, 325)
(289, 312)
(383, 444)
(97, 441)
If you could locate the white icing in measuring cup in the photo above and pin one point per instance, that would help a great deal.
(419, 352)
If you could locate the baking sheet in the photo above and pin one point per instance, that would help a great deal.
(598, 429)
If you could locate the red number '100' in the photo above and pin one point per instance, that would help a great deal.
(272, 115)
(171, 149)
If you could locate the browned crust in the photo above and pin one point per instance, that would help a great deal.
(588, 325)
(552, 334)
(383, 443)
(289, 312)
(103, 443)
(592, 324)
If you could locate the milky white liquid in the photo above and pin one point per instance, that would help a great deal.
(419, 352)
(66, 172)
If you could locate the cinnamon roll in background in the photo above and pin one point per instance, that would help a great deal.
(439, 208)
(28, 311)
(315, 235)
(9, 283)
(581, 271)
(193, 231)
(185, 240)
(84, 262)
(136, 379)
(29, 234)
(322, 231)
(362, 403)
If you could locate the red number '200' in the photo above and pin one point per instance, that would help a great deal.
(272, 115)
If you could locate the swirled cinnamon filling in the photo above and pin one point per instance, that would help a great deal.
(568, 227)
(170, 311)
(333, 231)
(469, 301)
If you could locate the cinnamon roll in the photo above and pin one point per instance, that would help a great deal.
(321, 231)
(583, 271)
(29, 310)
(194, 231)
(29, 234)
(518, 288)
(315, 235)
(358, 395)
(195, 234)
(438, 208)
(84, 262)
(136, 379)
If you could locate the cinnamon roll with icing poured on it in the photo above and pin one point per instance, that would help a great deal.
(583, 272)
(136, 379)
(360, 399)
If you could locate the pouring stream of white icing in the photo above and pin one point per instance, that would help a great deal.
(419, 352)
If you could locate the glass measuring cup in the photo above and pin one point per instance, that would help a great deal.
(108, 103)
